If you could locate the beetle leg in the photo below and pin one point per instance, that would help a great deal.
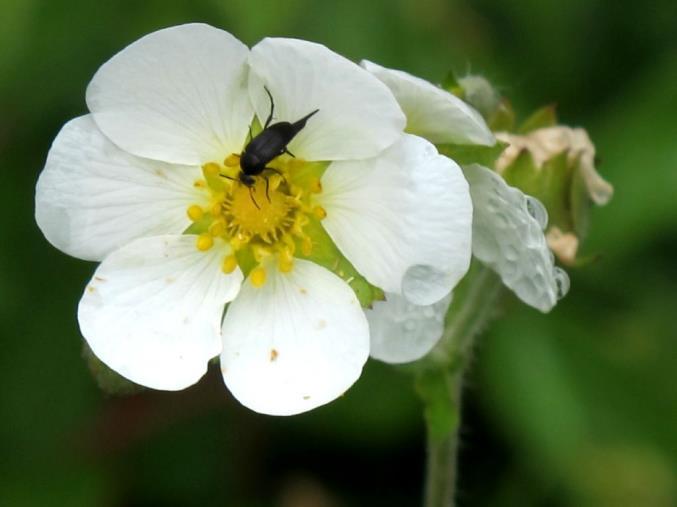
(275, 171)
(272, 108)
(251, 196)
(288, 152)
(267, 187)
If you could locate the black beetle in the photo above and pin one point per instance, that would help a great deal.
(268, 144)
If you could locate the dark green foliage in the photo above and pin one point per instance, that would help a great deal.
(576, 408)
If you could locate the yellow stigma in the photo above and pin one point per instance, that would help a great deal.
(253, 210)
(258, 276)
(265, 223)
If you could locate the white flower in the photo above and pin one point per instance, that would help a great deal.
(507, 225)
(147, 184)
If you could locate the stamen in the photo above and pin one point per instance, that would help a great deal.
(217, 229)
(285, 261)
(229, 264)
(204, 242)
(211, 169)
(306, 246)
(319, 212)
(260, 252)
(232, 160)
(216, 209)
(258, 276)
(195, 212)
(263, 220)
(315, 186)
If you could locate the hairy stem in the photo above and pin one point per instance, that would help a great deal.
(440, 384)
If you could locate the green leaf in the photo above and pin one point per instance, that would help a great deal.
(541, 118)
(503, 117)
(325, 253)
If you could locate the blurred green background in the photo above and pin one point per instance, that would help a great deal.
(575, 408)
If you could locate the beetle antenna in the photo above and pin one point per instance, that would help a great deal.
(272, 107)
(298, 125)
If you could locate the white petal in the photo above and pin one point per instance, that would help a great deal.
(403, 219)
(298, 342)
(431, 112)
(508, 237)
(92, 197)
(177, 95)
(152, 311)
(402, 332)
(358, 115)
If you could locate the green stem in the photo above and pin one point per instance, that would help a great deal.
(442, 456)
(440, 383)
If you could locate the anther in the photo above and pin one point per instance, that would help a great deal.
(204, 242)
(319, 212)
(260, 252)
(238, 241)
(275, 181)
(285, 261)
(258, 276)
(216, 209)
(211, 169)
(232, 160)
(195, 212)
(217, 228)
(306, 246)
(229, 264)
(315, 186)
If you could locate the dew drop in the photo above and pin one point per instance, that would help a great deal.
(501, 221)
(410, 325)
(536, 209)
(493, 204)
(510, 252)
(562, 282)
(551, 256)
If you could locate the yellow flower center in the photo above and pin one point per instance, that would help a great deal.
(258, 211)
(260, 222)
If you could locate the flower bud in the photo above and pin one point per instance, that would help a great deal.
(480, 94)
(556, 164)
